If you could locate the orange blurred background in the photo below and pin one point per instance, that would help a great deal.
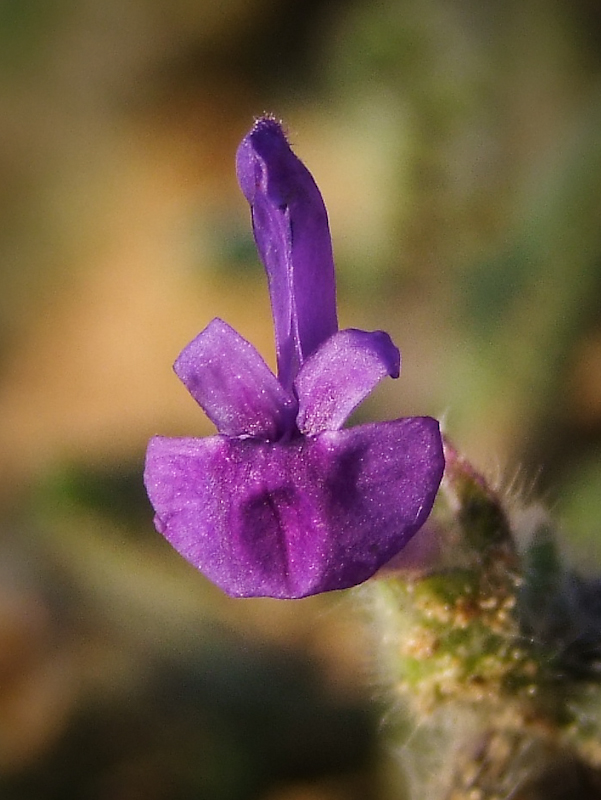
(457, 149)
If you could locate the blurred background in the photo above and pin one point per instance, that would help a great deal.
(458, 147)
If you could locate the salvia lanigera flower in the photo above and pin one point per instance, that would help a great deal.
(283, 502)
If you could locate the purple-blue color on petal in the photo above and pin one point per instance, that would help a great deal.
(283, 503)
(291, 230)
(340, 374)
(312, 515)
(228, 378)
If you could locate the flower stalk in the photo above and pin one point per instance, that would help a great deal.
(492, 653)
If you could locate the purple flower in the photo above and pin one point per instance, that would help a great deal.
(282, 502)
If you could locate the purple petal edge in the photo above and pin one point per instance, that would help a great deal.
(287, 521)
(343, 371)
(291, 231)
(228, 378)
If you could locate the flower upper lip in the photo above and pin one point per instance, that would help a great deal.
(290, 225)
(323, 373)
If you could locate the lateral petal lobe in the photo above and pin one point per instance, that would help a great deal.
(341, 374)
(228, 378)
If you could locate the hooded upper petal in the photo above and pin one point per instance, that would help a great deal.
(228, 378)
(340, 374)
(291, 230)
(290, 520)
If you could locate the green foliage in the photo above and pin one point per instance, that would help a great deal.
(492, 653)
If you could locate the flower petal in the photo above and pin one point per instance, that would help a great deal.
(313, 515)
(341, 374)
(291, 230)
(227, 377)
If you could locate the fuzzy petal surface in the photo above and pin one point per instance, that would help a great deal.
(340, 374)
(290, 225)
(228, 378)
(316, 514)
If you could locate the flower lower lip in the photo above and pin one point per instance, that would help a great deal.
(313, 515)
